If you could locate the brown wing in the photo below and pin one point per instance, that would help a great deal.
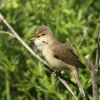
(66, 54)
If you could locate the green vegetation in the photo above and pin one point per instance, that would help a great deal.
(22, 77)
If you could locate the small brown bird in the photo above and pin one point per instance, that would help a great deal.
(59, 56)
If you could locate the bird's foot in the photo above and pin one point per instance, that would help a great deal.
(59, 73)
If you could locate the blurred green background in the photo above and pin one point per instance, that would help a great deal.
(22, 77)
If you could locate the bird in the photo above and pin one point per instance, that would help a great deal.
(58, 55)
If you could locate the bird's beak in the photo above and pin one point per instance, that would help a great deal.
(35, 38)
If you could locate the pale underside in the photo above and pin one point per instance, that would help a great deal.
(59, 56)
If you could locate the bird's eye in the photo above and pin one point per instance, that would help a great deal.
(43, 34)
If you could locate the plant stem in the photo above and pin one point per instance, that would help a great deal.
(7, 85)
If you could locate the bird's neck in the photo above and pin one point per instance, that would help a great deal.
(52, 41)
(42, 43)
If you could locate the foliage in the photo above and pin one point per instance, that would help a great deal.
(22, 77)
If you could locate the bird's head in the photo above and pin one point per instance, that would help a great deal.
(43, 36)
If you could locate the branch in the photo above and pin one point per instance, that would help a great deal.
(94, 70)
(64, 83)
(33, 53)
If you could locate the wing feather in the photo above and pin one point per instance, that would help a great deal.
(66, 54)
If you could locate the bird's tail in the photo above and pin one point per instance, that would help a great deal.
(74, 74)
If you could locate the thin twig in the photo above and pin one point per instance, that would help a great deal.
(32, 52)
(3, 32)
(84, 36)
(70, 43)
(98, 52)
(84, 31)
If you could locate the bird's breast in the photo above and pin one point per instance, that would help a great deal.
(53, 62)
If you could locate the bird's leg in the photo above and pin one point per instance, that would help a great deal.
(53, 70)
